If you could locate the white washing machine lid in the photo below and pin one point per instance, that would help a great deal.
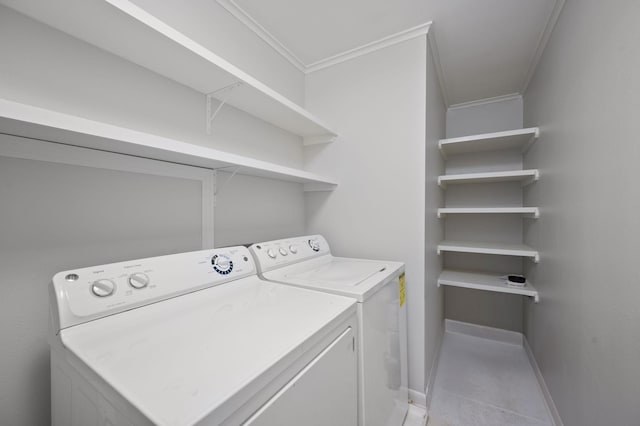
(358, 278)
(203, 354)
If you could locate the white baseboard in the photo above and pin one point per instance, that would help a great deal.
(432, 373)
(553, 411)
(505, 336)
(418, 398)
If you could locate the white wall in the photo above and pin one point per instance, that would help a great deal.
(377, 102)
(56, 217)
(434, 230)
(484, 117)
(585, 331)
(274, 210)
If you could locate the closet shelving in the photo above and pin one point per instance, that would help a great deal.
(482, 281)
(521, 140)
(126, 30)
(531, 212)
(525, 177)
(38, 123)
(503, 249)
(512, 139)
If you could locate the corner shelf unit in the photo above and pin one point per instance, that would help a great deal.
(489, 248)
(37, 123)
(530, 212)
(512, 139)
(520, 139)
(525, 177)
(487, 282)
(128, 31)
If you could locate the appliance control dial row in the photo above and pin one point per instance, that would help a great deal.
(103, 288)
(138, 280)
(222, 264)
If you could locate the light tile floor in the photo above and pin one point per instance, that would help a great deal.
(482, 382)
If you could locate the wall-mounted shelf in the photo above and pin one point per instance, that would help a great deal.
(124, 29)
(42, 124)
(525, 177)
(487, 282)
(489, 248)
(512, 139)
(530, 212)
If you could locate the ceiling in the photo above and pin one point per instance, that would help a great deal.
(485, 48)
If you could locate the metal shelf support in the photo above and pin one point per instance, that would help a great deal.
(221, 96)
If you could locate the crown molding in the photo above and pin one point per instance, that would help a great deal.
(542, 43)
(399, 37)
(241, 15)
(427, 28)
(433, 48)
(478, 102)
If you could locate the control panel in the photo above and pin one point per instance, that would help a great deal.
(275, 254)
(84, 294)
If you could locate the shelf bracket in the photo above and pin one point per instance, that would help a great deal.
(222, 96)
(223, 184)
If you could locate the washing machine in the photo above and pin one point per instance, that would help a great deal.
(198, 338)
(379, 288)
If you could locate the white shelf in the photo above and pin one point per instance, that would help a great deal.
(489, 248)
(511, 139)
(532, 212)
(38, 123)
(525, 177)
(487, 282)
(126, 30)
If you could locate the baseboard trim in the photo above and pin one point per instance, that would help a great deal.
(551, 406)
(432, 373)
(417, 398)
(505, 336)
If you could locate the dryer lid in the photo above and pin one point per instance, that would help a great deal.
(359, 278)
(345, 272)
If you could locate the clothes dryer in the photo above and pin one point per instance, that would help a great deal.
(379, 288)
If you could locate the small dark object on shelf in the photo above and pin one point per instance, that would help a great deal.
(519, 279)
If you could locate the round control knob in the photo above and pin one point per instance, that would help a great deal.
(103, 288)
(293, 248)
(138, 280)
(222, 264)
(283, 251)
(315, 245)
(272, 254)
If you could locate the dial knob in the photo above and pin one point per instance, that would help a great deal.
(222, 264)
(315, 245)
(293, 248)
(138, 280)
(103, 288)
(283, 251)
(272, 254)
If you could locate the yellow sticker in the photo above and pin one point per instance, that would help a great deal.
(403, 290)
